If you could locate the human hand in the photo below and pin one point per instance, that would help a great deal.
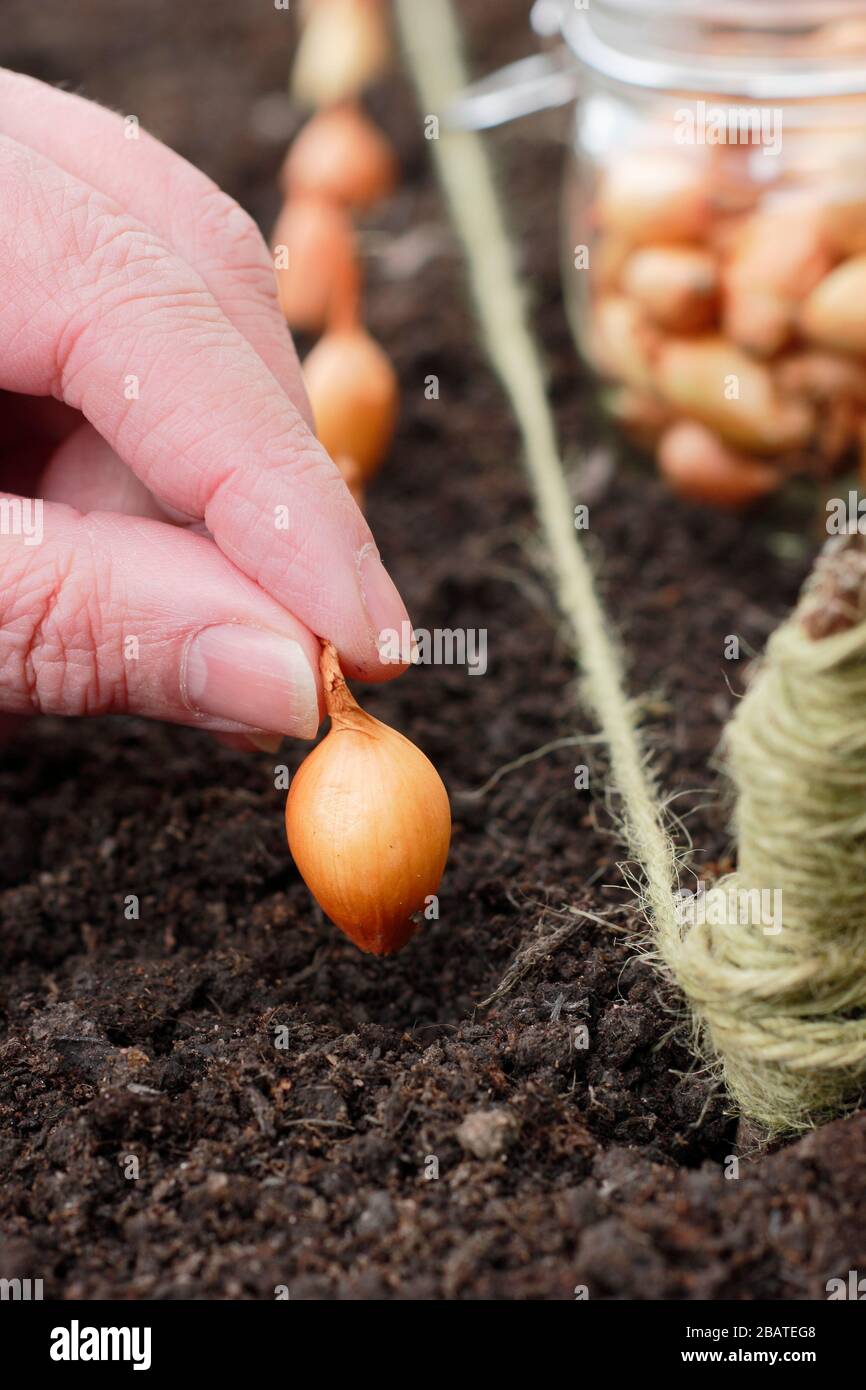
(191, 538)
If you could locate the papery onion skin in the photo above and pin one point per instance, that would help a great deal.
(369, 826)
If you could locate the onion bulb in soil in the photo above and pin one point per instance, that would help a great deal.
(345, 46)
(368, 823)
(354, 396)
(340, 155)
(314, 256)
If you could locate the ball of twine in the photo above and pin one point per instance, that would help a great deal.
(781, 1005)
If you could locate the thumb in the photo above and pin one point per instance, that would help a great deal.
(108, 614)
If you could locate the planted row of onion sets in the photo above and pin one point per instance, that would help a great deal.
(339, 163)
(367, 815)
(730, 315)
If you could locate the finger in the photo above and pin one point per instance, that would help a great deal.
(84, 472)
(203, 225)
(114, 324)
(104, 614)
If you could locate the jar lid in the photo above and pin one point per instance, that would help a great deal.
(758, 49)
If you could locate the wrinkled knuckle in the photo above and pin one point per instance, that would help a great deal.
(103, 246)
(111, 264)
(61, 647)
(135, 290)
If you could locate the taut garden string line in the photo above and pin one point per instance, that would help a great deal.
(779, 1013)
(432, 43)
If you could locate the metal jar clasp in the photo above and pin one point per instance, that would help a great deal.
(537, 83)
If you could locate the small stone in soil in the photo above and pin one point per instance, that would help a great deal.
(487, 1133)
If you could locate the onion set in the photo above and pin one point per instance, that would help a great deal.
(319, 243)
(368, 823)
(342, 156)
(728, 295)
(344, 46)
(353, 392)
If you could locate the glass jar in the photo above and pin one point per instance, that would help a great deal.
(714, 226)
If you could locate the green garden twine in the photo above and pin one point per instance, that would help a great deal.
(774, 961)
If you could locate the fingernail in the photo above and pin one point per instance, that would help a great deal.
(382, 601)
(253, 677)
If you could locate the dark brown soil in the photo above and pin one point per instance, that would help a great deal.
(155, 1039)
